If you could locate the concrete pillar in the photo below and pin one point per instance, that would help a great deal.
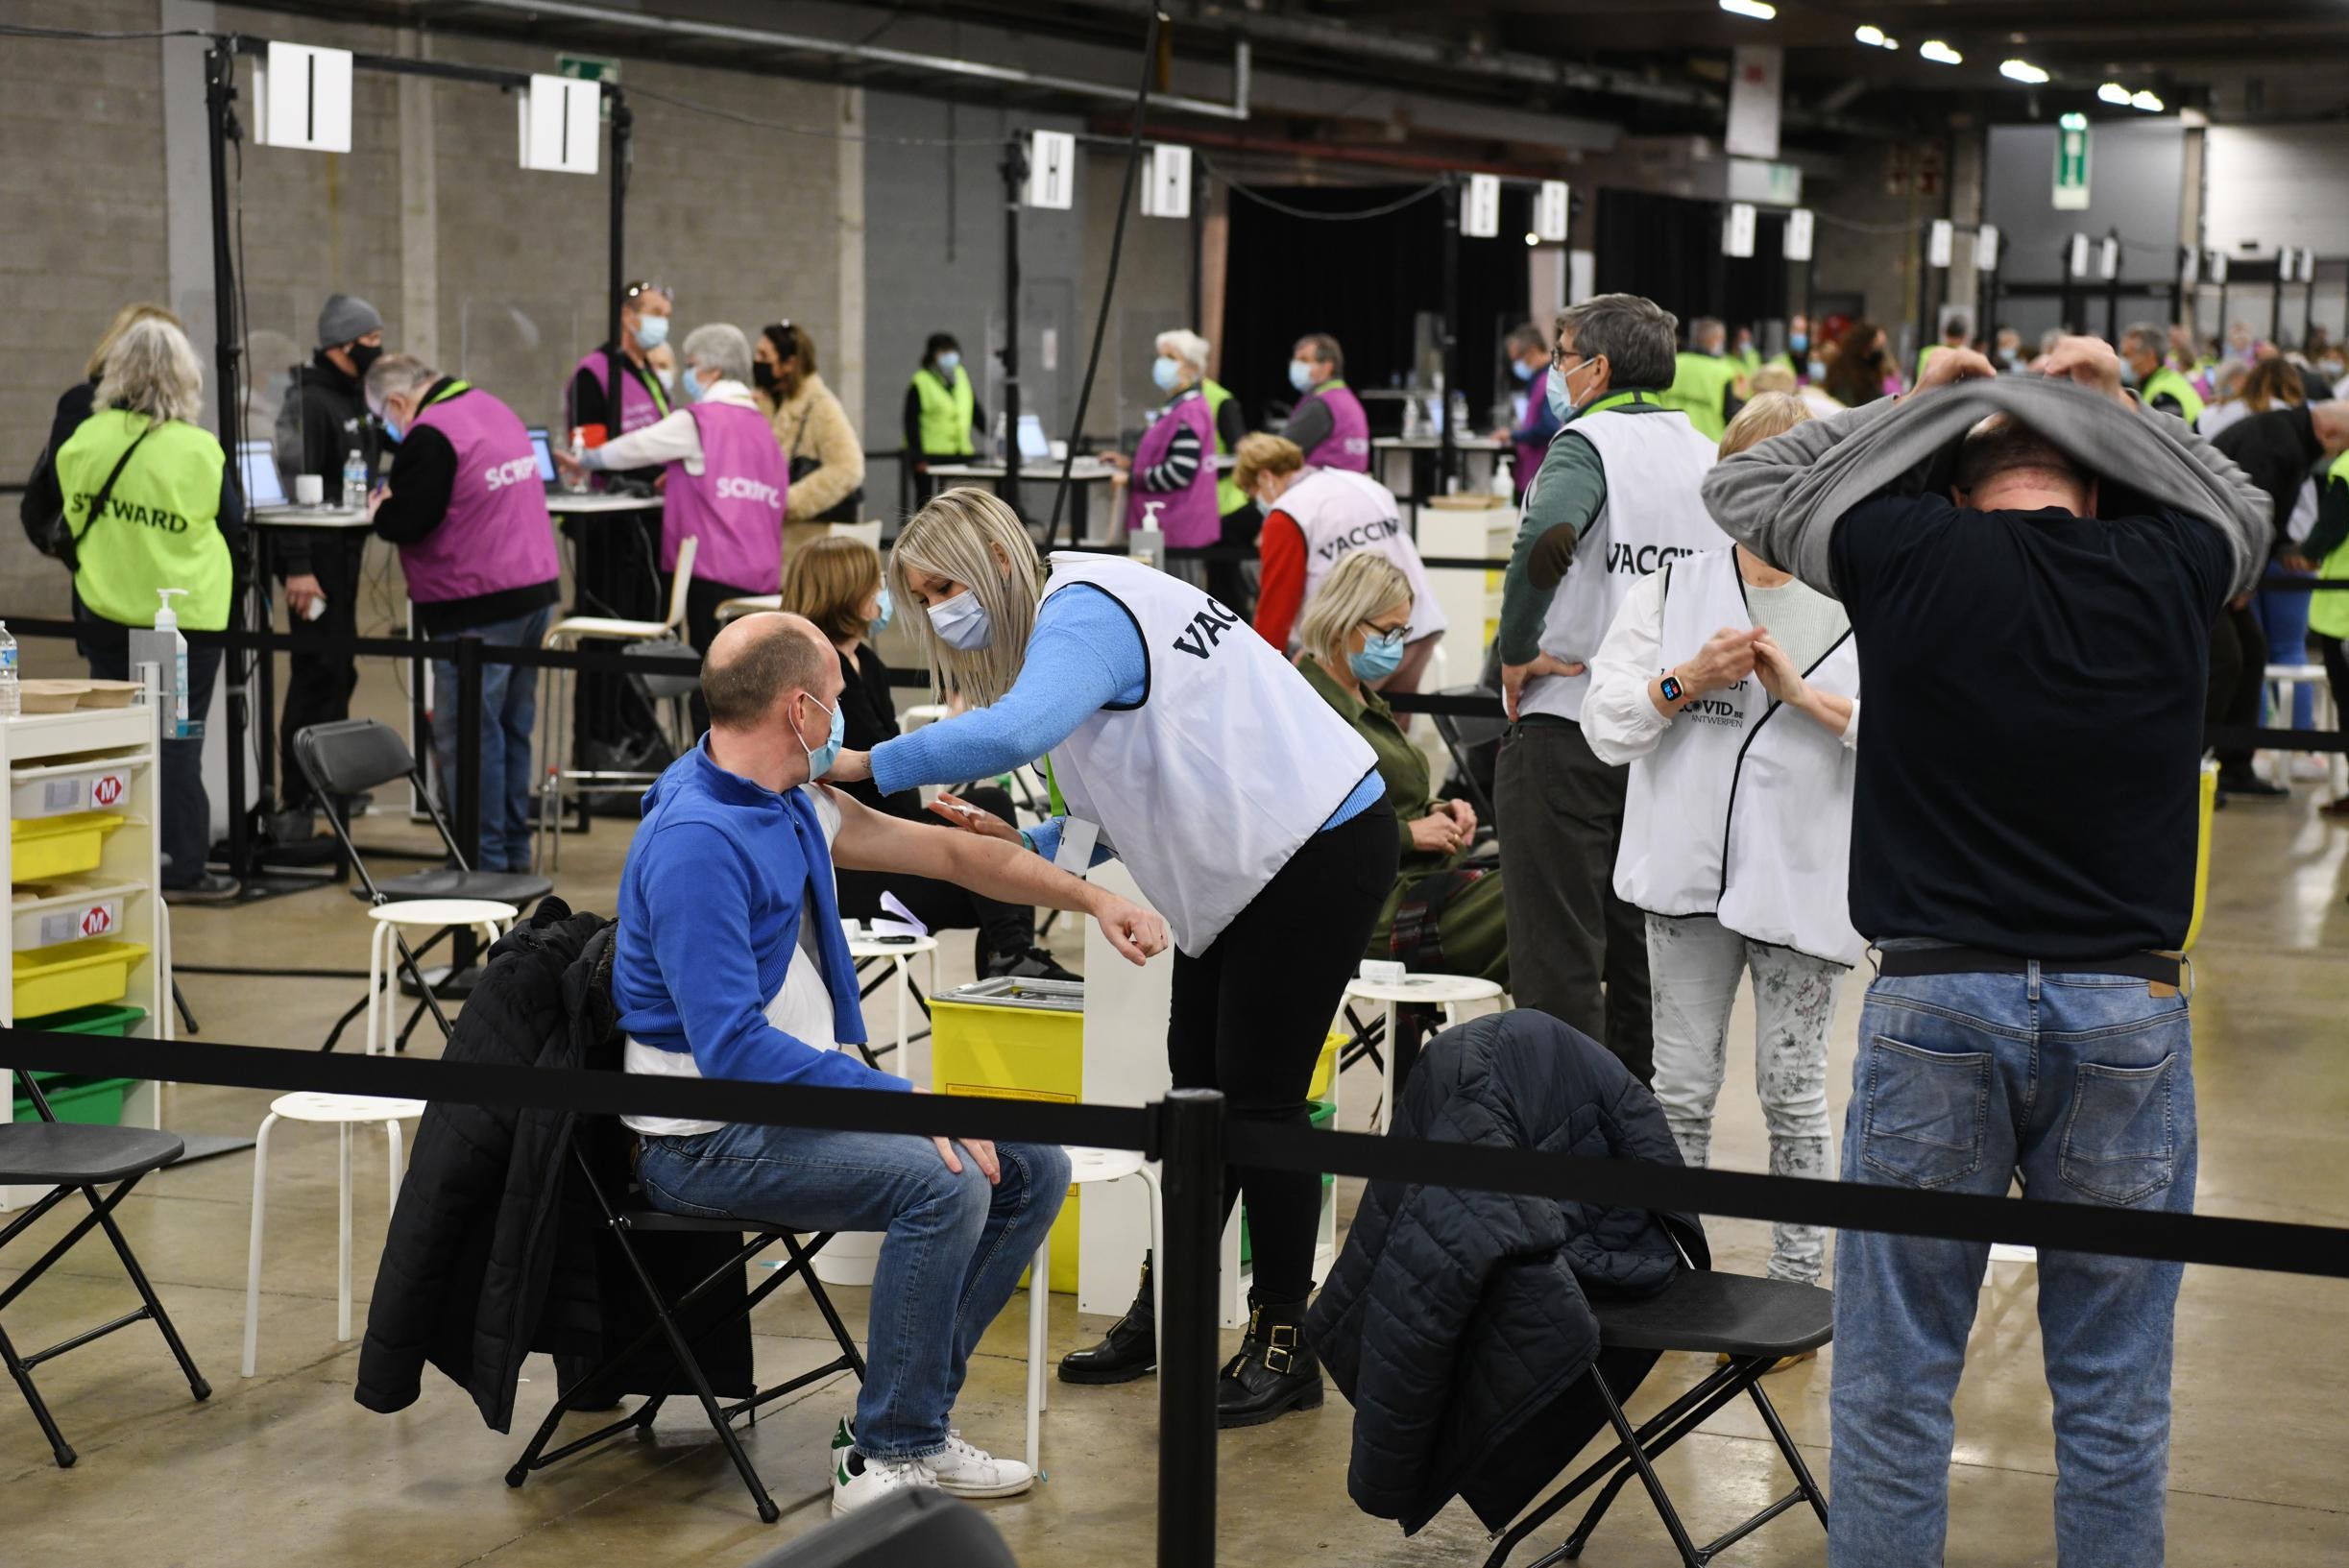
(420, 208)
(188, 180)
(846, 355)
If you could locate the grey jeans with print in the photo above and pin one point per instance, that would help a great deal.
(1694, 965)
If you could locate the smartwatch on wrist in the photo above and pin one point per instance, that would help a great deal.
(1671, 688)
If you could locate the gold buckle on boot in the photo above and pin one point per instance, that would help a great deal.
(1286, 1352)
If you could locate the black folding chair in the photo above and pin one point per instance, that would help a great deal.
(630, 1215)
(79, 1159)
(1475, 745)
(1753, 1321)
(353, 756)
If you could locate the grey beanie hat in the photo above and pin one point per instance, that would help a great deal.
(346, 317)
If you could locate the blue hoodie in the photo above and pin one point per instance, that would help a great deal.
(718, 878)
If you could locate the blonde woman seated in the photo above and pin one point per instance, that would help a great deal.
(1440, 917)
(1732, 691)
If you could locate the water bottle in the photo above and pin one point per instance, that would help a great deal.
(12, 698)
(354, 482)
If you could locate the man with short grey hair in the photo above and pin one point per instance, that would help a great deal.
(2157, 382)
(725, 479)
(1615, 498)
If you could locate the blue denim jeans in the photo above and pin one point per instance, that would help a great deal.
(953, 1256)
(2284, 620)
(2082, 1085)
(509, 711)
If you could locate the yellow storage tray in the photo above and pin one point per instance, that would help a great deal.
(59, 846)
(1325, 1070)
(1015, 1040)
(74, 974)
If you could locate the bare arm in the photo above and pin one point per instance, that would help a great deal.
(870, 841)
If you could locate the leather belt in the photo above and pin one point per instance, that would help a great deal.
(2158, 968)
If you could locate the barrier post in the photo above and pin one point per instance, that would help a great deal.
(467, 786)
(1188, 1130)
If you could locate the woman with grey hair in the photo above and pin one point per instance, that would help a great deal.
(724, 480)
(1249, 813)
(172, 521)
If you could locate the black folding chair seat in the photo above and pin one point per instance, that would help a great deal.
(1754, 1323)
(74, 1158)
(520, 888)
(67, 1154)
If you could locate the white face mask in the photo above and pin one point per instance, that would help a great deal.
(961, 622)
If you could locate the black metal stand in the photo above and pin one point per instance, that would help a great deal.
(1015, 175)
(1188, 1129)
(1447, 337)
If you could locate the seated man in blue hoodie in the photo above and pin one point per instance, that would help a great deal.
(730, 963)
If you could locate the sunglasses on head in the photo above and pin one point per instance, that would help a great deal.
(648, 288)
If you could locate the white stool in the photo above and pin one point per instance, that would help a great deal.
(901, 954)
(749, 604)
(345, 1112)
(1085, 1165)
(425, 914)
(1445, 991)
(2283, 682)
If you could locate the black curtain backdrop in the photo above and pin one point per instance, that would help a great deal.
(1668, 247)
(1363, 282)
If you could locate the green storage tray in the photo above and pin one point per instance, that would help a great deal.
(1324, 1115)
(95, 1103)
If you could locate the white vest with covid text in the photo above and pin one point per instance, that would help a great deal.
(1654, 463)
(1339, 513)
(1743, 810)
(1224, 769)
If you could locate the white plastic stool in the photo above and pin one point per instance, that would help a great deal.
(345, 1112)
(901, 954)
(1445, 991)
(427, 914)
(1085, 1165)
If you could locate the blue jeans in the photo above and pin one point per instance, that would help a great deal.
(953, 1256)
(2083, 1086)
(2284, 618)
(509, 711)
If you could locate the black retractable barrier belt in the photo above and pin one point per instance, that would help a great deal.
(2226, 1243)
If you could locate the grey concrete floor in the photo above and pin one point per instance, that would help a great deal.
(284, 1468)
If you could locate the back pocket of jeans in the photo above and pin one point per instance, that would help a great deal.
(2121, 1139)
(1924, 1113)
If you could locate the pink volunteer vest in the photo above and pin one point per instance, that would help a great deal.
(637, 409)
(1187, 516)
(1348, 445)
(496, 535)
(733, 506)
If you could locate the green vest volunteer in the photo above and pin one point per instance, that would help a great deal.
(1228, 498)
(1700, 388)
(947, 410)
(162, 527)
(2329, 609)
(2167, 383)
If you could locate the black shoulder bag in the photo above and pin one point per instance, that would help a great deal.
(63, 542)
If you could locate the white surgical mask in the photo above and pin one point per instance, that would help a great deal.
(961, 622)
(651, 332)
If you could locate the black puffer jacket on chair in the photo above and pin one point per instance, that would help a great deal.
(496, 1248)
(1457, 1322)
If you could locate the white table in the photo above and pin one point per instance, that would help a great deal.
(1395, 462)
(290, 516)
(562, 503)
(901, 954)
(1445, 990)
(1082, 477)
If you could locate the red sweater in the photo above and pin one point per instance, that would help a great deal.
(1281, 594)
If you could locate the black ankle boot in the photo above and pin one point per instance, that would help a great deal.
(1276, 1371)
(1129, 1352)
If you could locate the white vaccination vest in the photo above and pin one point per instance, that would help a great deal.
(1224, 769)
(801, 1007)
(1339, 511)
(1654, 461)
(1743, 810)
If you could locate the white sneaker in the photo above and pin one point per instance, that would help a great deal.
(858, 1483)
(964, 1471)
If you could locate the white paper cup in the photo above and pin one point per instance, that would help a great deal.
(309, 488)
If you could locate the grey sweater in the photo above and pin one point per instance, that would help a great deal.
(1782, 499)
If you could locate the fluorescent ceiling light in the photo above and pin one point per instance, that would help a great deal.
(1940, 53)
(2022, 70)
(2073, 121)
(2148, 102)
(2113, 92)
(1874, 36)
(1761, 11)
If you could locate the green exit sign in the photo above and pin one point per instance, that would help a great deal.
(589, 68)
(2071, 164)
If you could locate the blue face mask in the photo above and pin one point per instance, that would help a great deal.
(1561, 401)
(961, 622)
(392, 431)
(948, 363)
(821, 757)
(651, 332)
(1798, 343)
(1519, 369)
(1300, 375)
(889, 609)
(1164, 372)
(1817, 370)
(1381, 656)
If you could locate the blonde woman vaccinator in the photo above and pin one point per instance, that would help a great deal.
(1251, 816)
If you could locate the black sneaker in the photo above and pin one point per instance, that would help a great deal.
(1029, 964)
(209, 888)
(2244, 781)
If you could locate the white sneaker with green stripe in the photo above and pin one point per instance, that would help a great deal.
(960, 1469)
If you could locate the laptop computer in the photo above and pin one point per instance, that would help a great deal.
(257, 470)
(1034, 446)
(544, 452)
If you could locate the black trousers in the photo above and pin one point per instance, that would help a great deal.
(1577, 951)
(615, 572)
(185, 833)
(1250, 1013)
(2335, 657)
(943, 906)
(1230, 583)
(2238, 669)
(318, 685)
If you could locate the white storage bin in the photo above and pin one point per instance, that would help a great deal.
(82, 786)
(66, 915)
